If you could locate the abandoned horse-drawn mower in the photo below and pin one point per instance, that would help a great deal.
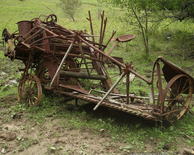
(59, 59)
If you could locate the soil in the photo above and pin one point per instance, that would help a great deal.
(16, 129)
(20, 135)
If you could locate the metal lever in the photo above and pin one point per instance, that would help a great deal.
(65, 56)
(109, 91)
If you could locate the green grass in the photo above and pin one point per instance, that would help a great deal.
(134, 134)
(178, 49)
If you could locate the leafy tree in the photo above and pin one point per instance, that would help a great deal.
(70, 7)
(136, 6)
(143, 9)
(179, 9)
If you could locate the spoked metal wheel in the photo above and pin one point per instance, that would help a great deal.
(177, 97)
(30, 90)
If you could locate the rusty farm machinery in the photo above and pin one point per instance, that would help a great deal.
(57, 59)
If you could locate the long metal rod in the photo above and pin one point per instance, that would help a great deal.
(65, 56)
(83, 57)
(109, 91)
(127, 81)
(114, 60)
(91, 27)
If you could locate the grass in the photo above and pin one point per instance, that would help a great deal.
(134, 134)
(178, 49)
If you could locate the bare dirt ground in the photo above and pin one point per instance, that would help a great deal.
(19, 135)
(24, 136)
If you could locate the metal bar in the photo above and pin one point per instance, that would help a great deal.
(109, 91)
(105, 21)
(82, 75)
(82, 54)
(48, 37)
(101, 52)
(113, 33)
(114, 60)
(160, 89)
(32, 34)
(91, 27)
(141, 77)
(65, 56)
(64, 28)
(102, 22)
(127, 83)
(113, 46)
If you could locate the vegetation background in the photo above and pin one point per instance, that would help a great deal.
(172, 39)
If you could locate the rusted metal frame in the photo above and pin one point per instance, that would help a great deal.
(32, 34)
(113, 33)
(65, 56)
(130, 96)
(64, 28)
(101, 52)
(27, 65)
(39, 88)
(40, 49)
(21, 58)
(107, 100)
(63, 43)
(82, 75)
(47, 30)
(152, 87)
(86, 52)
(160, 103)
(138, 75)
(108, 82)
(104, 71)
(152, 95)
(114, 95)
(105, 21)
(79, 56)
(102, 22)
(167, 113)
(97, 64)
(109, 91)
(48, 37)
(170, 83)
(59, 30)
(9, 41)
(77, 88)
(113, 47)
(127, 109)
(128, 85)
(83, 57)
(152, 78)
(172, 65)
(91, 26)
(91, 42)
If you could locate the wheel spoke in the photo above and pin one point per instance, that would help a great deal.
(179, 85)
(30, 90)
(177, 97)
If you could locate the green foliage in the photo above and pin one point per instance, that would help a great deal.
(70, 7)
(149, 13)
(179, 9)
